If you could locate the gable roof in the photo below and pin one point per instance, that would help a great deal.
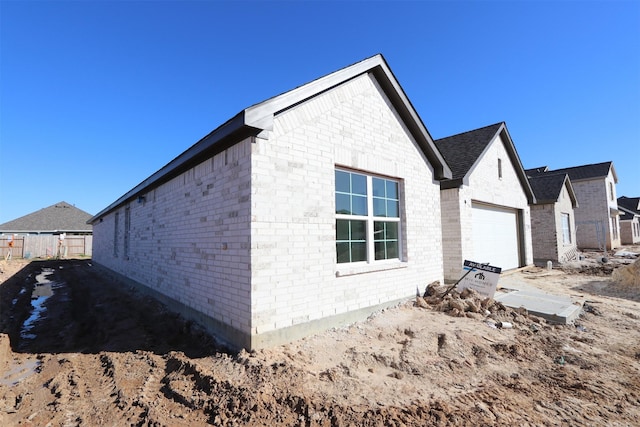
(464, 150)
(587, 172)
(258, 118)
(631, 204)
(547, 188)
(626, 214)
(535, 171)
(59, 218)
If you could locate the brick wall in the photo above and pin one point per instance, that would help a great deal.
(485, 186)
(630, 231)
(546, 226)
(594, 224)
(294, 272)
(189, 240)
(452, 233)
(248, 238)
(546, 232)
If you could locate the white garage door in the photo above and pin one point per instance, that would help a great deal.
(495, 236)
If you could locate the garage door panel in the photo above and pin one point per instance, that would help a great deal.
(495, 236)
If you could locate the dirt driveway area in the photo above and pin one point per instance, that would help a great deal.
(78, 349)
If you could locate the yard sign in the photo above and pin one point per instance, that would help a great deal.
(483, 278)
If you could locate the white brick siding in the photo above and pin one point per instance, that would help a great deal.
(189, 238)
(295, 276)
(247, 238)
(484, 186)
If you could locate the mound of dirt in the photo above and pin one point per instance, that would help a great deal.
(628, 276)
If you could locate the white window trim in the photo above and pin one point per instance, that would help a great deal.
(568, 216)
(371, 264)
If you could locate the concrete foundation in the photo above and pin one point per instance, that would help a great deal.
(553, 308)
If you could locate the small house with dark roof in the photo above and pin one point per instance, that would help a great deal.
(309, 210)
(629, 220)
(39, 233)
(597, 222)
(553, 227)
(485, 205)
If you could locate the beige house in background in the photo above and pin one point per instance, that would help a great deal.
(312, 209)
(597, 224)
(553, 225)
(485, 205)
(629, 220)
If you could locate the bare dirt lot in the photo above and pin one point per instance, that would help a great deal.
(79, 349)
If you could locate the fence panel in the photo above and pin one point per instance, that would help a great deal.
(16, 250)
(46, 246)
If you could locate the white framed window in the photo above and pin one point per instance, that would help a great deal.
(367, 217)
(499, 168)
(566, 229)
(610, 191)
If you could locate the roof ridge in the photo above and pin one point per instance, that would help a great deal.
(472, 130)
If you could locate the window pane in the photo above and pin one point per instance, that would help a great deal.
(391, 231)
(386, 240)
(358, 205)
(378, 187)
(566, 230)
(343, 184)
(342, 252)
(392, 209)
(378, 230)
(379, 207)
(380, 250)
(358, 230)
(358, 252)
(358, 184)
(342, 229)
(343, 203)
(392, 250)
(392, 189)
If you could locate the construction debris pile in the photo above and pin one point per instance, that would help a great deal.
(468, 303)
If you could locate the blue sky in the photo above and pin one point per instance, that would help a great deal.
(95, 96)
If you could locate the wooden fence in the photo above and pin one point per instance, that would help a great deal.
(46, 246)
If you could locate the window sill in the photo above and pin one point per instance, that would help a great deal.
(350, 270)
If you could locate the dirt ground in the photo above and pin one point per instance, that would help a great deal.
(78, 349)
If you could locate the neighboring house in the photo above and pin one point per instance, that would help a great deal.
(629, 220)
(38, 234)
(597, 225)
(485, 206)
(309, 210)
(553, 227)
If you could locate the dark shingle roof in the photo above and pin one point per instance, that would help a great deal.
(577, 173)
(630, 204)
(547, 188)
(61, 217)
(461, 151)
(536, 171)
